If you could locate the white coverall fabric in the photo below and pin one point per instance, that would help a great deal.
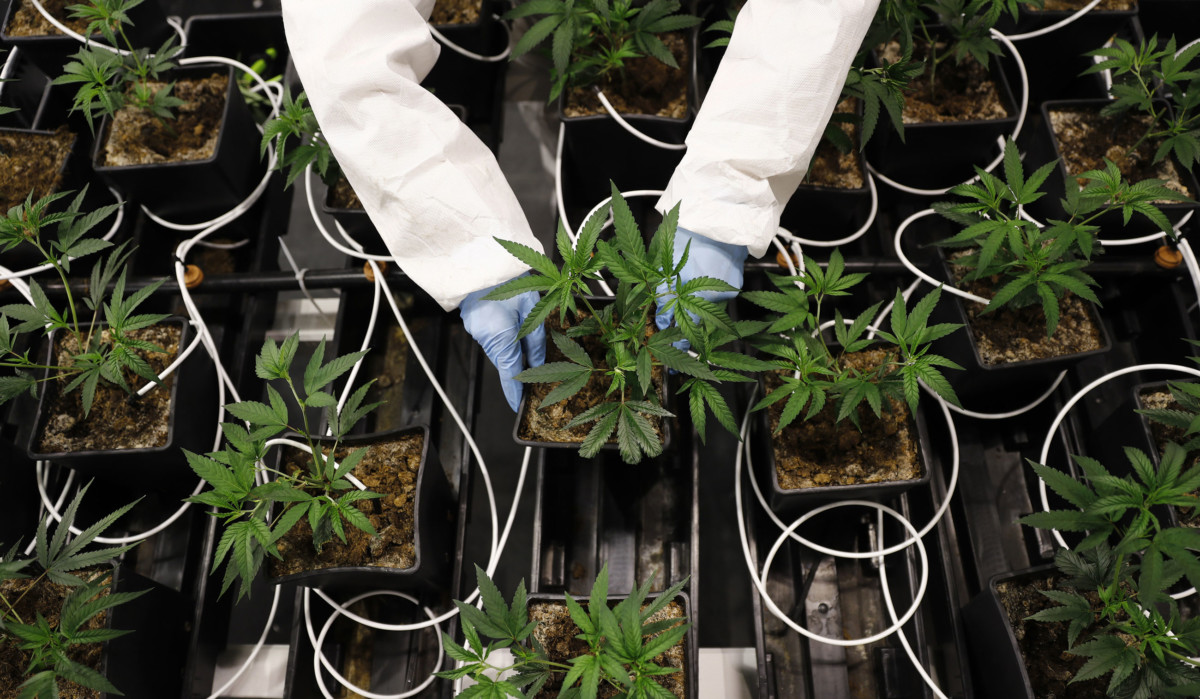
(762, 118)
(437, 195)
(431, 187)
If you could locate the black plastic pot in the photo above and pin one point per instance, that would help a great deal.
(431, 531)
(477, 86)
(192, 426)
(996, 661)
(70, 170)
(193, 190)
(148, 29)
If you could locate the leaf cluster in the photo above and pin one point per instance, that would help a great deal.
(57, 559)
(258, 505)
(1118, 575)
(590, 40)
(297, 123)
(1186, 417)
(647, 276)
(812, 373)
(622, 644)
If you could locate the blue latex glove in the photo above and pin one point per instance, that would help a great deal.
(706, 258)
(494, 325)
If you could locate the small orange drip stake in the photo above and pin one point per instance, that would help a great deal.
(782, 261)
(369, 272)
(1168, 257)
(192, 276)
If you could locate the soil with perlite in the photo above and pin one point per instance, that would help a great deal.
(1161, 399)
(137, 137)
(957, 92)
(32, 163)
(832, 168)
(648, 86)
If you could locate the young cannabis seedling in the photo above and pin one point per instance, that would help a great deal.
(95, 353)
(622, 644)
(1040, 265)
(1118, 576)
(592, 39)
(647, 276)
(1147, 79)
(109, 81)
(57, 560)
(812, 373)
(296, 122)
(254, 515)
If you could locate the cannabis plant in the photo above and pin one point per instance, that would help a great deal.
(1041, 264)
(592, 39)
(647, 276)
(623, 642)
(1115, 593)
(109, 81)
(93, 354)
(59, 560)
(813, 373)
(1146, 79)
(296, 122)
(256, 504)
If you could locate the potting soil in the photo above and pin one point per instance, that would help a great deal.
(115, 421)
(959, 91)
(137, 137)
(390, 468)
(557, 634)
(31, 162)
(1086, 139)
(455, 11)
(832, 168)
(27, 21)
(648, 87)
(341, 196)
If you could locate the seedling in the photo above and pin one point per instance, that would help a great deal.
(592, 39)
(93, 355)
(814, 373)
(1035, 264)
(108, 81)
(296, 122)
(256, 504)
(647, 276)
(58, 560)
(622, 644)
(1115, 593)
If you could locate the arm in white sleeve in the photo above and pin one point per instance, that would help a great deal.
(762, 118)
(431, 187)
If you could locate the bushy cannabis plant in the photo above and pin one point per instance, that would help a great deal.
(109, 81)
(1115, 593)
(814, 373)
(296, 122)
(94, 354)
(622, 644)
(256, 504)
(647, 277)
(592, 39)
(60, 560)
(1147, 78)
(1039, 265)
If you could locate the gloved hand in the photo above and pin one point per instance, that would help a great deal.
(494, 325)
(706, 258)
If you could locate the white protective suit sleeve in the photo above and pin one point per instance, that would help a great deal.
(431, 187)
(761, 120)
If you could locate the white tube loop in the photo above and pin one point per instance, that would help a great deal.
(180, 358)
(1057, 25)
(631, 129)
(471, 54)
(316, 217)
(789, 236)
(915, 270)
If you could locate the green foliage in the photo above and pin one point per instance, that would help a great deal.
(646, 276)
(590, 40)
(1147, 78)
(813, 374)
(56, 560)
(108, 81)
(94, 356)
(724, 27)
(1186, 417)
(622, 643)
(296, 122)
(1115, 594)
(1040, 265)
(882, 86)
(255, 517)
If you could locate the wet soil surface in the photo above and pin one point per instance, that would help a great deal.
(27, 21)
(549, 423)
(820, 451)
(959, 92)
(1043, 645)
(556, 632)
(138, 138)
(390, 468)
(455, 11)
(341, 196)
(47, 599)
(1085, 139)
(833, 168)
(650, 86)
(31, 162)
(1161, 399)
(115, 421)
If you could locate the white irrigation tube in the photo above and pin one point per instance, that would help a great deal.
(9, 62)
(1001, 141)
(180, 358)
(1057, 25)
(225, 246)
(631, 129)
(21, 287)
(471, 54)
(312, 209)
(299, 274)
(112, 230)
(1189, 258)
(915, 270)
(88, 42)
(788, 235)
(262, 639)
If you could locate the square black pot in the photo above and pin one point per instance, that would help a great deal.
(996, 663)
